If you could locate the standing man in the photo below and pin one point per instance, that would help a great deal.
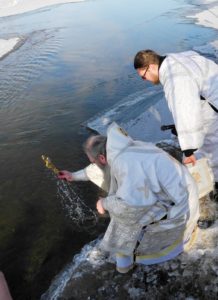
(190, 83)
(152, 200)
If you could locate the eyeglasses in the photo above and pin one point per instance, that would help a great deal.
(144, 74)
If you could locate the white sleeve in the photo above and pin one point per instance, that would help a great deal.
(172, 178)
(183, 98)
(92, 172)
(80, 175)
(95, 174)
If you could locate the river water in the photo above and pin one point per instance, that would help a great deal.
(75, 61)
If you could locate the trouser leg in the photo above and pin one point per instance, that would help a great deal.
(124, 263)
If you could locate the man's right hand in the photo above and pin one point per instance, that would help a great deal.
(66, 175)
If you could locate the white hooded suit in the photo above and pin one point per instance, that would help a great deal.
(186, 78)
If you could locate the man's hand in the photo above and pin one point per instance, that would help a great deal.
(65, 175)
(190, 159)
(100, 207)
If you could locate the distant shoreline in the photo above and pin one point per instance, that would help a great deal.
(15, 7)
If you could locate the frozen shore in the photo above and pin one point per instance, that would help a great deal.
(209, 16)
(6, 46)
(15, 7)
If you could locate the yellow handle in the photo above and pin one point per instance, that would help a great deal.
(49, 164)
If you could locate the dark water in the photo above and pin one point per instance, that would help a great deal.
(76, 60)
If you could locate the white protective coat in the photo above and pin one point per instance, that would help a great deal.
(146, 185)
(185, 77)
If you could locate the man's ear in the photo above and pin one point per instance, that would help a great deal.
(102, 159)
(153, 67)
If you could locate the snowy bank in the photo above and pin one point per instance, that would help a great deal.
(207, 17)
(6, 46)
(14, 7)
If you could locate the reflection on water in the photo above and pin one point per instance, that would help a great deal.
(75, 62)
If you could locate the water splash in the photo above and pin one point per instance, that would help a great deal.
(75, 207)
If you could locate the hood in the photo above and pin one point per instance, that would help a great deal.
(117, 140)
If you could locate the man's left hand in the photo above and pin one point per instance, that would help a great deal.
(100, 207)
(190, 160)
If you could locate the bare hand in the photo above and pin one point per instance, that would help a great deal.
(100, 207)
(191, 159)
(65, 175)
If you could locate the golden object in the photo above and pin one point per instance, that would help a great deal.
(49, 164)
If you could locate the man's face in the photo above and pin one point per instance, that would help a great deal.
(149, 73)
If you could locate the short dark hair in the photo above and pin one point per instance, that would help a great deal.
(146, 57)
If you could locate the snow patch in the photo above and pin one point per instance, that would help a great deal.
(15, 7)
(8, 45)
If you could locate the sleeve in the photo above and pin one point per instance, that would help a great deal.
(172, 179)
(80, 175)
(183, 98)
(92, 172)
(98, 176)
(119, 209)
(112, 203)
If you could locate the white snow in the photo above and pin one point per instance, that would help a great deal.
(15, 7)
(8, 45)
(208, 17)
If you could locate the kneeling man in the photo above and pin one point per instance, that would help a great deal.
(152, 198)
